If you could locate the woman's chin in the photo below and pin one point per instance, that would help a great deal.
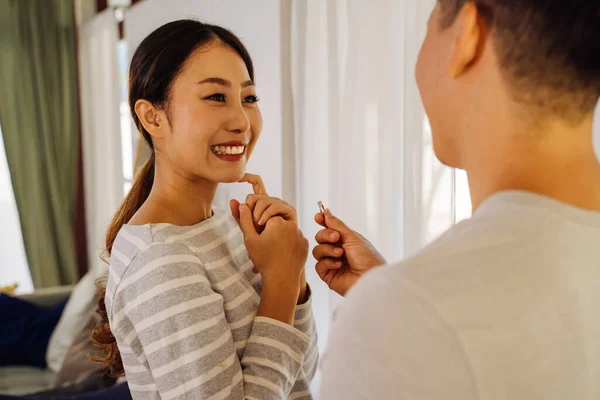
(232, 178)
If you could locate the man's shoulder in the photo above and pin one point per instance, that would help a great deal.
(446, 265)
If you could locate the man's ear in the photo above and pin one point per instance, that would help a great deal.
(468, 35)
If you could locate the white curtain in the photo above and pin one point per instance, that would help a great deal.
(362, 142)
(99, 92)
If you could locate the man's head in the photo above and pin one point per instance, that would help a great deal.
(493, 60)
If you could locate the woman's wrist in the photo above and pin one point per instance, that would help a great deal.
(283, 283)
(278, 301)
(304, 292)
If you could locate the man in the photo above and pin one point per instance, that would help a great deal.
(505, 305)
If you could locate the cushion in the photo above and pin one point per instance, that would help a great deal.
(93, 383)
(24, 380)
(77, 366)
(25, 331)
(79, 309)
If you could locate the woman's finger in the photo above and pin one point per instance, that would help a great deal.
(252, 199)
(257, 183)
(260, 207)
(281, 209)
(235, 209)
(327, 236)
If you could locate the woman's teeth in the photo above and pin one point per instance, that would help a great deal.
(233, 150)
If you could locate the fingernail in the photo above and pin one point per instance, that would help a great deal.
(328, 212)
(333, 236)
(261, 222)
(241, 208)
(338, 252)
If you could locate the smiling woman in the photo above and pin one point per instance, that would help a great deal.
(185, 314)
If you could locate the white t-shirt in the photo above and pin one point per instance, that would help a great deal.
(505, 305)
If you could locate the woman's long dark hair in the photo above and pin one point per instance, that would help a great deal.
(155, 65)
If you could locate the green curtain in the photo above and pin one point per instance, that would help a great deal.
(38, 115)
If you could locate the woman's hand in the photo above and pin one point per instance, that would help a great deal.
(279, 254)
(263, 209)
(263, 206)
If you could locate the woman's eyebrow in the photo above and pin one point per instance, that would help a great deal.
(224, 82)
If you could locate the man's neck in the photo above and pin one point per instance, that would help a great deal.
(558, 163)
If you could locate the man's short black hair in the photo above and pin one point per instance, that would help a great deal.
(549, 50)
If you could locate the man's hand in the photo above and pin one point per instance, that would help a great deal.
(342, 254)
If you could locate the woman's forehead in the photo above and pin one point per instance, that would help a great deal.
(215, 61)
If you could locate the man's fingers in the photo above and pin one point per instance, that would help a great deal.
(320, 219)
(327, 236)
(257, 183)
(326, 266)
(335, 223)
(327, 251)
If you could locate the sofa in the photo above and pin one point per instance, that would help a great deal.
(46, 344)
(20, 380)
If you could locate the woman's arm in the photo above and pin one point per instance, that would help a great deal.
(304, 321)
(167, 312)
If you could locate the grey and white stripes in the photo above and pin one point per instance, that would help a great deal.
(182, 304)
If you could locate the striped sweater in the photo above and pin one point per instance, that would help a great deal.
(182, 304)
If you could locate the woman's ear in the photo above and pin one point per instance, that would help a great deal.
(150, 117)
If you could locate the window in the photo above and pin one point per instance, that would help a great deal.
(447, 198)
(13, 261)
(462, 199)
(126, 136)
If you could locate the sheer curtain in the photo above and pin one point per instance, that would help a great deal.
(101, 130)
(362, 141)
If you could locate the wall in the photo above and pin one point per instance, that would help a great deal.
(258, 26)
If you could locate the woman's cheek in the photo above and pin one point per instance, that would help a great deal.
(256, 124)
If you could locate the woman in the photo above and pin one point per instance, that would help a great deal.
(190, 317)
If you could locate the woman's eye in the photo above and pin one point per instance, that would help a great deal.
(251, 99)
(220, 97)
